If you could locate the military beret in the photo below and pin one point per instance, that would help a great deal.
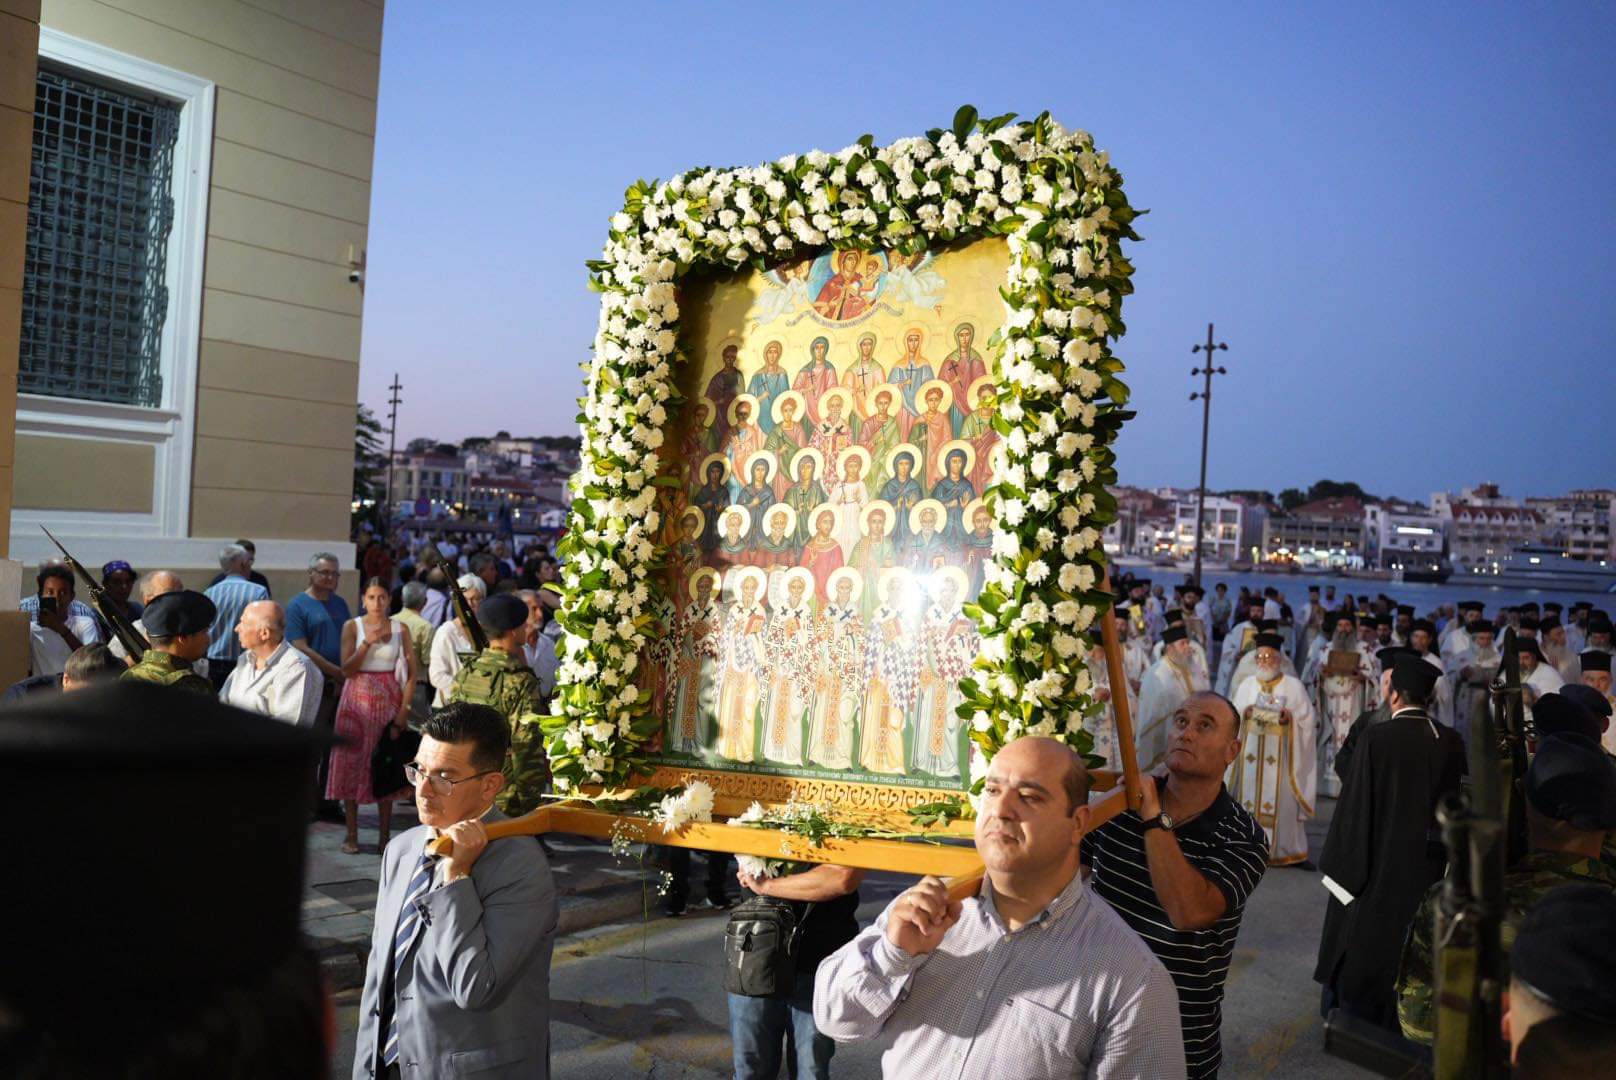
(1595, 660)
(1528, 645)
(1270, 641)
(1565, 951)
(177, 613)
(502, 613)
(130, 911)
(1413, 674)
(1572, 780)
(1588, 698)
(1555, 714)
(1173, 633)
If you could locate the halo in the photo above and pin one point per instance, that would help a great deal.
(791, 575)
(968, 515)
(962, 445)
(736, 508)
(975, 389)
(767, 456)
(856, 451)
(838, 574)
(836, 393)
(728, 341)
(840, 255)
(794, 395)
(791, 517)
(708, 460)
(935, 505)
(739, 575)
(808, 451)
(882, 388)
(873, 505)
(953, 335)
(712, 410)
(764, 352)
(905, 448)
(954, 574)
(817, 512)
(885, 578)
(730, 415)
(926, 388)
(875, 340)
(706, 571)
(701, 519)
(904, 337)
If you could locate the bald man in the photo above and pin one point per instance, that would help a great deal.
(272, 677)
(154, 584)
(1035, 977)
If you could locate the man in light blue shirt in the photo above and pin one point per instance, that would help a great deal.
(230, 595)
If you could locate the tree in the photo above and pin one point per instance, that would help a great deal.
(1338, 489)
(369, 474)
(1291, 498)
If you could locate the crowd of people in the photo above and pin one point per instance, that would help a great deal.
(1089, 949)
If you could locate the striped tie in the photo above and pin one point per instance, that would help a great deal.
(409, 924)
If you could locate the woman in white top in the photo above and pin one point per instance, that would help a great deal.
(378, 668)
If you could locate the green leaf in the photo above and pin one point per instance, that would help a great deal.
(964, 121)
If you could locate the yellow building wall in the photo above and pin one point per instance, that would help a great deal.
(19, 50)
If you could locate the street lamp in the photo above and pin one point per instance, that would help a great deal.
(1205, 397)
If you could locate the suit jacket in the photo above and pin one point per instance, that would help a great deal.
(473, 996)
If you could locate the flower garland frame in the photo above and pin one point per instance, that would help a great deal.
(1061, 208)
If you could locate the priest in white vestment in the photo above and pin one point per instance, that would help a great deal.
(1198, 661)
(1557, 650)
(1168, 682)
(1343, 678)
(1247, 667)
(1236, 644)
(1420, 638)
(1538, 676)
(1276, 775)
(1103, 725)
(1456, 636)
(1136, 658)
(1469, 674)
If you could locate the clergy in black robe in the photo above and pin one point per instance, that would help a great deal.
(1383, 850)
(1381, 712)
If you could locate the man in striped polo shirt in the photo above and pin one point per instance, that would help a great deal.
(230, 595)
(1180, 870)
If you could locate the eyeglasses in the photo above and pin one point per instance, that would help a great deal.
(440, 784)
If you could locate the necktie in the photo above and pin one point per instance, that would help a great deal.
(409, 924)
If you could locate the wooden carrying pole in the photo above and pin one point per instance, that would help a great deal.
(956, 862)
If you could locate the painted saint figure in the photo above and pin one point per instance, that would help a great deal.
(767, 383)
(881, 434)
(904, 492)
(838, 672)
(740, 683)
(722, 389)
(961, 368)
(863, 376)
(695, 673)
(955, 490)
(848, 294)
(787, 648)
(932, 428)
(911, 372)
(822, 554)
(832, 434)
(891, 670)
(806, 493)
(816, 376)
(949, 644)
(788, 435)
(849, 494)
(874, 552)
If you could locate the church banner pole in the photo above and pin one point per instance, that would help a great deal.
(1118, 677)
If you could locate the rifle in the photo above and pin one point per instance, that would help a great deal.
(111, 612)
(1481, 836)
(462, 606)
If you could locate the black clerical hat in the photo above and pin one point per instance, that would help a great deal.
(1267, 625)
(1424, 624)
(166, 851)
(1547, 623)
(1344, 613)
(1528, 645)
(1595, 660)
(1556, 714)
(1528, 622)
(178, 613)
(502, 613)
(1572, 780)
(1388, 656)
(1480, 626)
(1173, 633)
(1565, 951)
(1173, 615)
(1413, 674)
(1588, 698)
(1596, 625)
(1406, 609)
(1269, 641)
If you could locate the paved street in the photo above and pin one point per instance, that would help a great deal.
(643, 997)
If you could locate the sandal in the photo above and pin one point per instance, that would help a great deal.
(350, 847)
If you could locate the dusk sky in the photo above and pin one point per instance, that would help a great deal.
(1400, 217)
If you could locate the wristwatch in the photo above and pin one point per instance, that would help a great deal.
(1160, 821)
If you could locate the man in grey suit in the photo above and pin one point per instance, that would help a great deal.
(459, 974)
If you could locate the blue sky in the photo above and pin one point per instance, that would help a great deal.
(1399, 216)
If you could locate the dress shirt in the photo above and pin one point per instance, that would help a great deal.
(436, 608)
(287, 687)
(1074, 992)
(447, 645)
(230, 596)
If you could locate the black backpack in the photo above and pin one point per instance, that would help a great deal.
(760, 947)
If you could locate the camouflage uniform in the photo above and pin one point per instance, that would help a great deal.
(1535, 875)
(506, 684)
(166, 669)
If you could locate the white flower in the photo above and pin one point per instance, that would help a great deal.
(981, 721)
(1040, 464)
(674, 812)
(1037, 571)
(1014, 511)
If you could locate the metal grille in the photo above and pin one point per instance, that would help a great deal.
(100, 209)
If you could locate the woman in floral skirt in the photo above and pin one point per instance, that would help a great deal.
(378, 667)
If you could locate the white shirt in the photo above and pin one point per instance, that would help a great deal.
(447, 645)
(115, 647)
(287, 686)
(50, 650)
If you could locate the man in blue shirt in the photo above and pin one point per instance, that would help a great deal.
(314, 621)
(230, 594)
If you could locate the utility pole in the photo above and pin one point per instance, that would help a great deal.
(392, 440)
(1205, 397)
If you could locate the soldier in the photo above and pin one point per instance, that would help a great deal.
(1562, 986)
(500, 678)
(1570, 806)
(177, 626)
